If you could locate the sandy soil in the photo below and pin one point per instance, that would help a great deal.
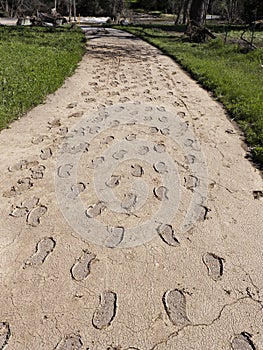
(129, 217)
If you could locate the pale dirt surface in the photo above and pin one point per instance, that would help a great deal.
(200, 289)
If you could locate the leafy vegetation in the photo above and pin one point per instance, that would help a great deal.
(235, 78)
(33, 63)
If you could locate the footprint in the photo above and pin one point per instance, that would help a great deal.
(38, 139)
(114, 236)
(33, 218)
(81, 269)
(54, 123)
(97, 162)
(71, 342)
(153, 130)
(81, 147)
(95, 209)
(21, 186)
(166, 232)
(46, 153)
(165, 131)
(22, 164)
(143, 150)
(43, 249)
(175, 306)
(159, 148)
(37, 172)
(76, 115)
(129, 201)
(160, 168)
(64, 171)
(163, 119)
(113, 181)
(76, 189)
(119, 155)
(242, 342)
(72, 105)
(131, 137)
(191, 182)
(19, 212)
(30, 203)
(214, 265)
(5, 334)
(136, 170)
(107, 140)
(161, 193)
(106, 311)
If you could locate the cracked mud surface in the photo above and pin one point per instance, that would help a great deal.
(200, 288)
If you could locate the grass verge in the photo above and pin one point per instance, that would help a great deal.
(235, 78)
(33, 63)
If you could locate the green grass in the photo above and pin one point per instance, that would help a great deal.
(235, 78)
(33, 63)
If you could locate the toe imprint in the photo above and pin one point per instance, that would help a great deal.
(81, 269)
(106, 311)
(4, 334)
(72, 342)
(166, 233)
(43, 249)
(242, 342)
(175, 305)
(214, 265)
(33, 218)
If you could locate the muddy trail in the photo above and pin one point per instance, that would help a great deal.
(130, 217)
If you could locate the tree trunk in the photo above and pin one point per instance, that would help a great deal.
(198, 11)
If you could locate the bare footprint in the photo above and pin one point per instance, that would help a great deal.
(106, 311)
(71, 342)
(81, 269)
(33, 218)
(43, 249)
(175, 306)
(21, 164)
(166, 232)
(214, 265)
(5, 334)
(242, 341)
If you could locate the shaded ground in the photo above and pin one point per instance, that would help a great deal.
(196, 287)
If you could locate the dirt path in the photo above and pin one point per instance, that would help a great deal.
(142, 230)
